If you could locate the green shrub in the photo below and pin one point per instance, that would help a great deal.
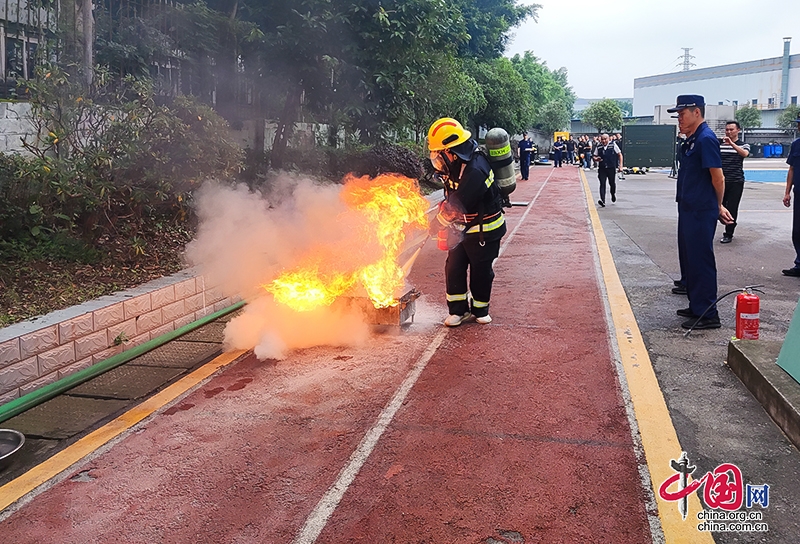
(109, 156)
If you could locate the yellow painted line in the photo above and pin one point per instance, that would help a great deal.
(63, 460)
(659, 439)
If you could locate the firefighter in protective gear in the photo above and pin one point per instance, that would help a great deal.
(472, 212)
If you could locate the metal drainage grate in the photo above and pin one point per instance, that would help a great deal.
(213, 332)
(64, 416)
(126, 382)
(178, 354)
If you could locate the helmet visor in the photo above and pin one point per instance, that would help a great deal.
(440, 162)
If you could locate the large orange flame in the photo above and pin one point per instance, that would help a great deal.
(389, 205)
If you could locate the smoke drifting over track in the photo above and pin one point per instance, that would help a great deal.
(292, 252)
(247, 238)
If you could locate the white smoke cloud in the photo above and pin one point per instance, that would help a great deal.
(273, 329)
(245, 239)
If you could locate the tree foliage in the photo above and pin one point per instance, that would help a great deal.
(788, 117)
(448, 92)
(626, 106)
(110, 156)
(547, 88)
(488, 22)
(605, 115)
(379, 69)
(508, 102)
(376, 68)
(553, 116)
(748, 116)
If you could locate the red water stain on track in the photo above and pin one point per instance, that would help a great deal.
(240, 384)
(394, 470)
(178, 408)
(209, 393)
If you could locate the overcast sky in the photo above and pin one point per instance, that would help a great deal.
(605, 44)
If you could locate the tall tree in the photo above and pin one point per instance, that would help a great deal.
(488, 24)
(787, 118)
(76, 25)
(604, 115)
(508, 100)
(626, 106)
(87, 37)
(547, 87)
(447, 92)
(553, 116)
(291, 57)
(401, 48)
(748, 116)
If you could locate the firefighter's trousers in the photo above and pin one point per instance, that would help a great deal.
(469, 254)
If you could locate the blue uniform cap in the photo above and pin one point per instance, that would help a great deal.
(687, 101)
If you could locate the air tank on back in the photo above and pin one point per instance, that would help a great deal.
(501, 160)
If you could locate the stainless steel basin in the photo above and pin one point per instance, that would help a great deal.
(10, 443)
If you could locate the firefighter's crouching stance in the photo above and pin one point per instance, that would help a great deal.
(471, 217)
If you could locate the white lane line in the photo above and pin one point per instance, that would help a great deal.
(318, 518)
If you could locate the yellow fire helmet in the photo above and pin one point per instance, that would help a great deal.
(446, 133)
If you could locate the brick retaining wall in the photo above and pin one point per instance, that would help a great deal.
(43, 350)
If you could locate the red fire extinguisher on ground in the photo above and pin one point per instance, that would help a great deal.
(747, 308)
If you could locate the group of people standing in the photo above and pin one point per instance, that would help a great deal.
(580, 152)
(709, 188)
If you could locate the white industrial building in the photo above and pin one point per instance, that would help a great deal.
(768, 84)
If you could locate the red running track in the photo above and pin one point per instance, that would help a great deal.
(513, 432)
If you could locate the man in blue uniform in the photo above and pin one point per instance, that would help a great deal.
(525, 147)
(701, 186)
(792, 180)
(558, 152)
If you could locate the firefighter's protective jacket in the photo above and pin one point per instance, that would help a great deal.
(472, 198)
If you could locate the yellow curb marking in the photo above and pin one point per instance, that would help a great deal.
(63, 460)
(659, 439)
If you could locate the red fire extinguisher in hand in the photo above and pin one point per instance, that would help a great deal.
(747, 310)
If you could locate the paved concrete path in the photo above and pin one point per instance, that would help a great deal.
(716, 418)
(517, 431)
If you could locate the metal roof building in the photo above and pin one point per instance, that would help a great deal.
(768, 84)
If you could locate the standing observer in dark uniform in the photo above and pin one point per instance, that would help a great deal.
(733, 152)
(525, 147)
(571, 150)
(701, 186)
(472, 212)
(558, 152)
(792, 181)
(609, 161)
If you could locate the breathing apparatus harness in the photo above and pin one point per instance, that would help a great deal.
(443, 165)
